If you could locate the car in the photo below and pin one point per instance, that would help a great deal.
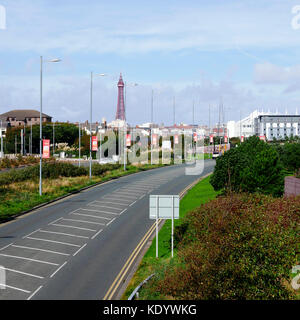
(215, 155)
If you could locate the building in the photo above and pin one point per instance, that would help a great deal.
(277, 126)
(17, 118)
(265, 124)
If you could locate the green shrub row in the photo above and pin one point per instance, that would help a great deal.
(235, 247)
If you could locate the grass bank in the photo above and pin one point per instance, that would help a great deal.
(19, 197)
(199, 194)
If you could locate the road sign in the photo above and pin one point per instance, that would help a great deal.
(46, 149)
(164, 207)
(94, 143)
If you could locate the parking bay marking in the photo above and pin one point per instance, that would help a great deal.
(29, 259)
(24, 273)
(63, 234)
(53, 241)
(72, 227)
(88, 215)
(43, 250)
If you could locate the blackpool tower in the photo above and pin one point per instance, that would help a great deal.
(121, 106)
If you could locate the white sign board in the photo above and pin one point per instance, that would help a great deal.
(163, 206)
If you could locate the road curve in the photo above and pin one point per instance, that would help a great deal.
(75, 248)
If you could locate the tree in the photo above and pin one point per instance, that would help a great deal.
(253, 166)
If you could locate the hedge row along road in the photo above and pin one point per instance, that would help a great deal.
(76, 247)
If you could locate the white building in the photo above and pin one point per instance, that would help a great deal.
(265, 124)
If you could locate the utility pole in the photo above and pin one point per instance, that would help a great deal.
(1, 140)
(79, 145)
(31, 137)
(22, 148)
(16, 151)
(53, 138)
(174, 119)
(151, 125)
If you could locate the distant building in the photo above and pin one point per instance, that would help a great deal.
(265, 124)
(17, 118)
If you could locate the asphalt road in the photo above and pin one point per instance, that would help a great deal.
(75, 248)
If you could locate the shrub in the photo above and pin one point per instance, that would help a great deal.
(290, 156)
(99, 169)
(237, 247)
(253, 166)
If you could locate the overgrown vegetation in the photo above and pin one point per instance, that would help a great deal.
(235, 247)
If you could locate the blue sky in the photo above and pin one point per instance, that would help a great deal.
(245, 53)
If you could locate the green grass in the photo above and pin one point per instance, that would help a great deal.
(199, 194)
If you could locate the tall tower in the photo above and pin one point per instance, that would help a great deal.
(120, 115)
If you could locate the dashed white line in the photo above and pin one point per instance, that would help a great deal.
(75, 220)
(29, 259)
(43, 250)
(72, 227)
(35, 292)
(64, 234)
(79, 250)
(54, 273)
(111, 221)
(6, 246)
(31, 233)
(25, 273)
(53, 241)
(95, 235)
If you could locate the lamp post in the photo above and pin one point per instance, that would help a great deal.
(41, 110)
(125, 125)
(1, 155)
(91, 112)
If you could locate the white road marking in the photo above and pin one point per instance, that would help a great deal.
(35, 292)
(14, 288)
(94, 236)
(43, 250)
(129, 193)
(132, 203)
(118, 204)
(79, 250)
(101, 211)
(111, 221)
(142, 197)
(64, 234)
(98, 223)
(116, 198)
(55, 220)
(54, 273)
(88, 215)
(6, 246)
(29, 259)
(25, 273)
(121, 197)
(46, 240)
(72, 227)
(100, 206)
(123, 211)
(31, 233)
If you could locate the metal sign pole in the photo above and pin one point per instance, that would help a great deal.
(157, 208)
(172, 232)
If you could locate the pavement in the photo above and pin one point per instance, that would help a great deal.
(75, 248)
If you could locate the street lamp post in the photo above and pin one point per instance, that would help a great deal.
(1, 141)
(41, 110)
(151, 127)
(91, 111)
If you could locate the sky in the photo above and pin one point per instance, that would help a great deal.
(243, 54)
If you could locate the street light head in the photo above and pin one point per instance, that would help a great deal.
(55, 60)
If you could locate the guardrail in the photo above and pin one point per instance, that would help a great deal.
(135, 293)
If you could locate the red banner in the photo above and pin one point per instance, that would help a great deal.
(225, 139)
(195, 137)
(128, 140)
(211, 139)
(94, 143)
(176, 139)
(242, 138)
(46, 149)
(154, 139)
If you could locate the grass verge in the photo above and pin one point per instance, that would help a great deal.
(20, 197)
(199, 194)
